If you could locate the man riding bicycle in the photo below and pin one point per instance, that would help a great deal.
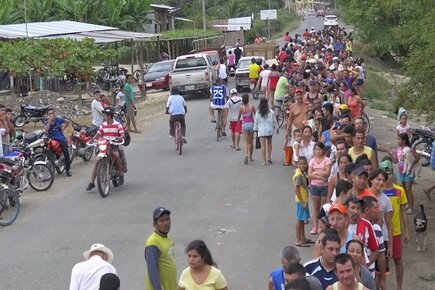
(218, 100)
(254, 72)
(177, 108)
(110, 129)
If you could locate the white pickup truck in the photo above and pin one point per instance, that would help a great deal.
(193, 74)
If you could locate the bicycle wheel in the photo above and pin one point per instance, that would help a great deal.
(92, 87)
(69, 85)
(103, 178)
(367, 121)
(178, 137)
(424, 149)
(218, 125)
(279, 116)
(9, 206)
(40, 178)
(137, 75)
(103, 73)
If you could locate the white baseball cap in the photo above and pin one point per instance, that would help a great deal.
(233, 91)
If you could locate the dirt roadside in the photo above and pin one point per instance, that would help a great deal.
(419, 266)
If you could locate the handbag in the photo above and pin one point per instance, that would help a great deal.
(257, 142)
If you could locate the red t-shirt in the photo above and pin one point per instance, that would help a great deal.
(111, 131)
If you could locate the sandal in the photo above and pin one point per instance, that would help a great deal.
(232, 146)
(302, 245)
(246, 161)
(309, 241)
(238, 148)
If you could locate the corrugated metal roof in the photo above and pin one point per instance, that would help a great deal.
(162, 6)
(41, 29)
(108, 36)
(234, 24)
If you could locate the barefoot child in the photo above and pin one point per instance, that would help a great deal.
(300, 183)
(288, 151)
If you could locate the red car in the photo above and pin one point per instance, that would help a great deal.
(157, 77)
(320, 13)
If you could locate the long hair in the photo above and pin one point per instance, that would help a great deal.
(405, 139)
(263, 108)
(202, 250)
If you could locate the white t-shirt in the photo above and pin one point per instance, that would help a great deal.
(264, 78)
(176, 105)
(234, 104)
(222, 73)
(87, 274)
(120, 96)
(97, 115)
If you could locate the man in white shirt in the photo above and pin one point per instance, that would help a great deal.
(97, 110)
(177, 108)
(234, 104)
(87, 275)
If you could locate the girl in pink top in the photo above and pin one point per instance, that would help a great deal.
(319, 170)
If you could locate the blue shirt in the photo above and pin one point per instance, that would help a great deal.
(176, 105)
(278, 279)
(55, 130)
(432, 156)
(219, 94)
(315, 268)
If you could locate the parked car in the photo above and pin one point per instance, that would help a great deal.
(157, 76)
(320, 13)
(193, 74)
(242, 71)
(330, 20)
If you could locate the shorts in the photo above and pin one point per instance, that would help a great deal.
(397, 247)
(302, 214)
(318, 190)
(236, 127)
(130, 111)
(403, 177)
(214, 107)
(248, 127)
(266, 137)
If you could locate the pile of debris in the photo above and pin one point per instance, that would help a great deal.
(69, 106)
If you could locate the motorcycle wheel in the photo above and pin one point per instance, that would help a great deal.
(103, 178)
(69, 85)
(127, 139)
(43, 157)
(9, 206)
(425, 147)
(20, 121)
(40, 178)
(88, 154)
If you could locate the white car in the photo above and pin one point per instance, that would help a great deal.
(330, 20)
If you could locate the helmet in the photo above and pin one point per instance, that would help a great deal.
(109, 111)
(343, 107)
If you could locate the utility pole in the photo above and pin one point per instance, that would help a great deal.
(204, 24)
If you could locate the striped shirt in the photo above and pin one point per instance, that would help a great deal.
(111, 131)
(219, 95)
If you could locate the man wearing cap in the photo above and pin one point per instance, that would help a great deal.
(363, 229)
(87, 275)
(399, 219)
(360, 182)
(338, 219)
(234, 104)
(97, 109)
(159, 254)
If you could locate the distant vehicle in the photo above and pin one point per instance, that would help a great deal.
(242, 71)
(157, 77)
(310, 12)
(193, 74)
(320, 13)
(330, 20)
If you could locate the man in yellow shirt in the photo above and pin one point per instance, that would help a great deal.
(254, 70)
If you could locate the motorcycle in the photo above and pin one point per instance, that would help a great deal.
(121, 118)
(421, 141)
(47, 150)
(29, 113)
(78, 139)
(106, 171)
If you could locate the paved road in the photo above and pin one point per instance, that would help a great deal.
(244, 213)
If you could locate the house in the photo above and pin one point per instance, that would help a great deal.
(160, 18)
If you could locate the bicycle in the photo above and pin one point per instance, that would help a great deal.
(254, 89)
(280, 114)
(137, 74)
(178, 138)
(9, 205)
(367, 121)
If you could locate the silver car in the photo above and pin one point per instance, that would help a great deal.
(242, 71)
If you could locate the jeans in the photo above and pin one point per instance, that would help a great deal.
(64, 146)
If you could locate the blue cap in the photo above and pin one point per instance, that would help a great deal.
(159, 211)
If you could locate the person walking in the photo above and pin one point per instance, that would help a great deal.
(246, 115)
(129, 105)
(97, 109)
(234, 104)
(264, 125)
(159, 254)
(202, 273)
(87, 275)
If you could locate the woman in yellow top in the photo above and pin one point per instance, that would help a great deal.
(201, 273)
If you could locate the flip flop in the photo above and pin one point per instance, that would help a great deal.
(309, 241)
(232, 146)
(238, 148)
(302, 245)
